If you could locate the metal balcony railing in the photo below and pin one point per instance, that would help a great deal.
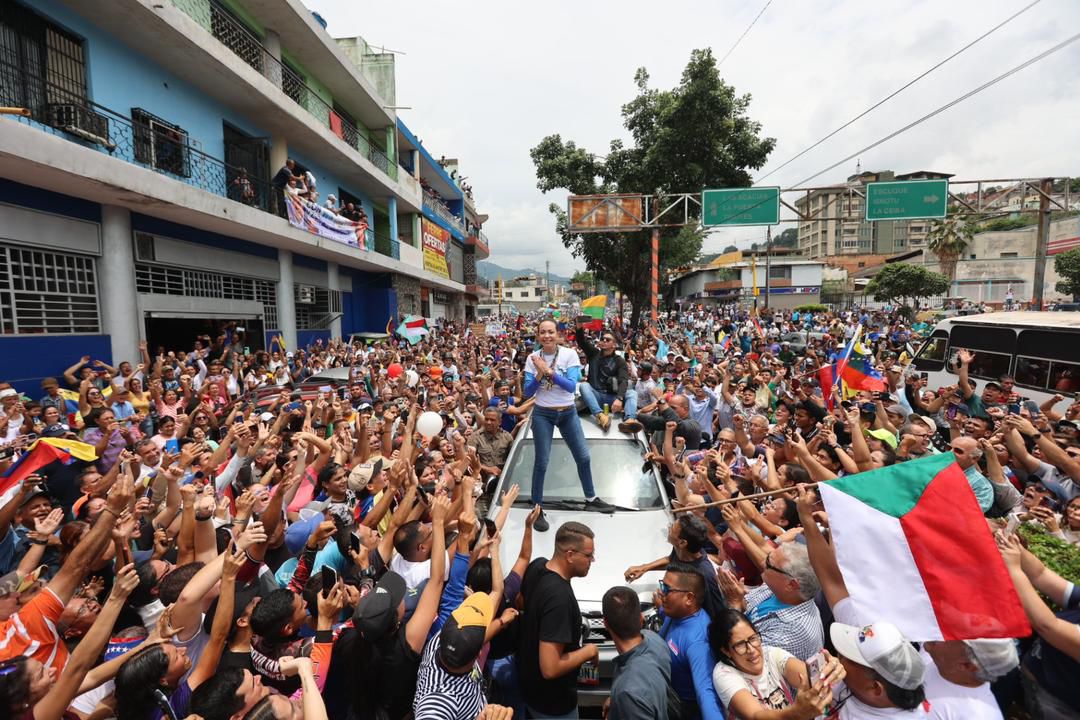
(435, 205)
(147, 142)
(246, 46)
(384, 245)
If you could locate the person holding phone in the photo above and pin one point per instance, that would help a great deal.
(551, 375)
(752, 678)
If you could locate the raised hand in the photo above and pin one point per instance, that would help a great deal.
(253, 534)
(125, 582)
(48, 524)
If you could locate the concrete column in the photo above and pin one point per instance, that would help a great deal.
(116, 279)
(416, 163)
(333, 282)
(286, 300)
(279, 153)
(272, 70)
(391, 143)
(391, 210)
(417, 231)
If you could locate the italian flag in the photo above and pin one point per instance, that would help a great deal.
(594, 308)
(916, 550)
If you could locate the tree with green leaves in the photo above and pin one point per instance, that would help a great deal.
(731, 249)
(696, 135)
(948, 239)
(906, 284)
(1067, 265)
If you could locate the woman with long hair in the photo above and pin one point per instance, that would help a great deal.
(551, 376)
(150, 684)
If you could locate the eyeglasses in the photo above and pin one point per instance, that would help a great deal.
(665, 589)
(770, 565)
(590, 555)
(609, 339)
(743, 646)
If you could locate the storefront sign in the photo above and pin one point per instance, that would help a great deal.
(436, 240)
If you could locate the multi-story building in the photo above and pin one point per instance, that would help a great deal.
(136, 201)
(839, 226)
(793, 281)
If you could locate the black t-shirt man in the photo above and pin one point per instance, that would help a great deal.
(551, 615)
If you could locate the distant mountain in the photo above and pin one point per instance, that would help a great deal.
(491, 271)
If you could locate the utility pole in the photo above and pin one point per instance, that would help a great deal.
(1042, 243)
(547, 278)
(768, 242)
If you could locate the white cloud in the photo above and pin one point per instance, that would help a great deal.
(487, 80)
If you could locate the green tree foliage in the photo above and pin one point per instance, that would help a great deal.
(787, 239)
(696, 135)
(948, 239)
(730, 249)
(1067, 265)
(584, 277)
(906, 283)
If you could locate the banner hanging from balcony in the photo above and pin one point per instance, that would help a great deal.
(325, 223)
(436, 240)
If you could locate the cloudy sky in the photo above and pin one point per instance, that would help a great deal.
(487, 80)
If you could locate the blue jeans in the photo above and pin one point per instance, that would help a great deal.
(595, 399)
(544, 422)
(505, 678)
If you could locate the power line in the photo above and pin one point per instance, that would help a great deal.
(1041, 56)
(884, 100)
(747, 30)
(989, 83)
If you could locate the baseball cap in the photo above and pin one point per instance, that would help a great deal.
(267, 417)
(8, 392)
(996, 657)
(33, 496)
(15, 583)
(376, 613)
(462, 637)
(883, 435)
(882, 648)
(299, 532)
(897, 409)
(645, 367)
(49, 382)
(868, 408)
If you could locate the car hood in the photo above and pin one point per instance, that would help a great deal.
(621, 540)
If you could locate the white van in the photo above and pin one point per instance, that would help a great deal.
(1040, 350)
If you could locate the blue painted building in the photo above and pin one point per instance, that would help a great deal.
(136, 202)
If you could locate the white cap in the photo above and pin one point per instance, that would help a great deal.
(8, 392)
(266, 416)
(882, 648)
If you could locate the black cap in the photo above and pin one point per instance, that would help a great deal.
(376, 614)
(645, 367)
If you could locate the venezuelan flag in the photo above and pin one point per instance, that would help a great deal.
(42, 452)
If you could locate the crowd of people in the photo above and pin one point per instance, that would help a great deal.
(297, 181)
(226, 542)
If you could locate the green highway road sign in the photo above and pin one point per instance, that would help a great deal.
(907, 200)
(740, 206)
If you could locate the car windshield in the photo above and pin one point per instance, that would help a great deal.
(617, 470)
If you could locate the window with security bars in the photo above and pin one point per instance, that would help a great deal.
(47, 293)
(160, 144)
(40, 63)
(315, 307)
(157, 279)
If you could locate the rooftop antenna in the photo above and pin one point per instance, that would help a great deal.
(858, 166)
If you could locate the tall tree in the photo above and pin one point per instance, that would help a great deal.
(904, 282)
(1067, 265)
(948, 239)
(696, 135)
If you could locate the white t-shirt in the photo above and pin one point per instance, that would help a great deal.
(549, 394)
(854, 709)
(949, 701)
(770, 688)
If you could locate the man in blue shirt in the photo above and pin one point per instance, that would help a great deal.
(686, 633)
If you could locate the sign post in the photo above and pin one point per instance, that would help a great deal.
(907, 200)
(740, 206)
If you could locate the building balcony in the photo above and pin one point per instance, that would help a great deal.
(73, 146)
(224, 62)
(434, 205)
(478, 240)
(481, 292)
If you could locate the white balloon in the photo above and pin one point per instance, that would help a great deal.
(429, 424)
(411, 378)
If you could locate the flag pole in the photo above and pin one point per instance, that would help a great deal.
(728, 501)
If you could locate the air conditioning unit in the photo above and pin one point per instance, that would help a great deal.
(144, 247)
(305, 294)
(81, 121)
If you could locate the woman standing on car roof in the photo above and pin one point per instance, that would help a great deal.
(551, 374)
